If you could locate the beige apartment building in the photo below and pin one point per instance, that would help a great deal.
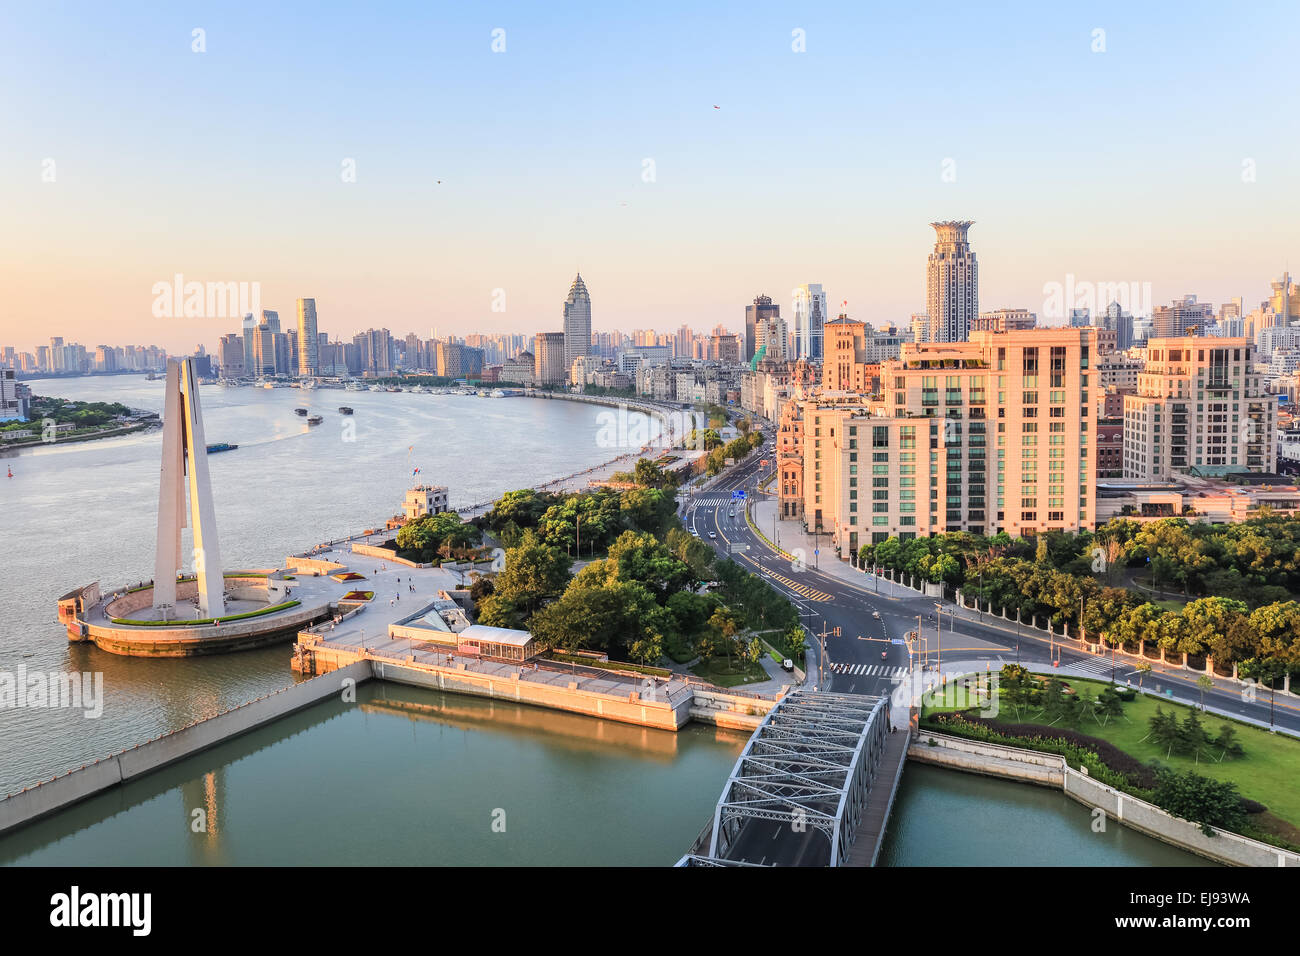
(1201, 409)
(549, 367)
(994, 434)
(845, 364)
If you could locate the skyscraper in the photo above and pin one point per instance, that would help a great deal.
(1183, 316)
(577, 322)
(308, 340)
(755, 315)
(550, 350)
(809, 321)
(250, 333)
(952, 295)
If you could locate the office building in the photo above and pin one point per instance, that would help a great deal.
(577, 324)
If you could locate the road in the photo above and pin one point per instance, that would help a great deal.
(862, 657)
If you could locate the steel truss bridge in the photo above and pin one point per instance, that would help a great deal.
(796, 794)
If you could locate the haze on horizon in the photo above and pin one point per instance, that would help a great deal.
(1168, 158)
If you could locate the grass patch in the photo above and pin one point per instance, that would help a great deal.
(733, 673)
(1267, 773)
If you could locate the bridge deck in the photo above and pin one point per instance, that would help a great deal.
(875, 815)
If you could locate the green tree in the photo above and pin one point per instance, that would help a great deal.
(534, 573)
(1210, 803)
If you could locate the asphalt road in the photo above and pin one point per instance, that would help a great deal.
(869, 621)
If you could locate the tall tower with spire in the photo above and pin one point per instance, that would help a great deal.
(952, 295)
(185, 467)
(577, 323)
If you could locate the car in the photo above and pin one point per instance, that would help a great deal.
(713, 534)
(876, 615)
(787, 665)
(694, 533)
(731, 513)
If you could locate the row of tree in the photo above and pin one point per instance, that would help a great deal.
(1256, 561)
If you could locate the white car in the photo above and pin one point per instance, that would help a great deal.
(876, 615)
(713, 534)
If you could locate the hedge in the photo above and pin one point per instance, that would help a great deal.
(207, 620)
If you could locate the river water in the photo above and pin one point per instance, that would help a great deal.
(404, 775)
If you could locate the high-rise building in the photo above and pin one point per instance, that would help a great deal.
(374, 351)
(1184, 316)
(1115, 319)
(952, 296)
(230, 355)
(549, 351)
(13, 406)
(990, 435)
(577, 323)
(771, 338)
(249, 332)
(1285, 299)
(761, 310)
(725, 348)
(308, 339)
(809, 321)
(1201, 407)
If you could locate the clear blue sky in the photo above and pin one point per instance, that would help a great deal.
(822, 166)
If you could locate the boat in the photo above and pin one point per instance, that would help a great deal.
(221, 446)
(377, 388)
(300, 411)
(315, 420)
(345, 409)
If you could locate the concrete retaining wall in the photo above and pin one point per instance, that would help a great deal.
(630, 709)
(371, 551)
(1224, 847)
(731, 711)
(313, 565)
(35, 802)
(204, 639)
(1050, 770)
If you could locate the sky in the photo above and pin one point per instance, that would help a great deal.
(384, 159)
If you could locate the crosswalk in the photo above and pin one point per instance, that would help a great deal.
(1099, 666)
(869, 670)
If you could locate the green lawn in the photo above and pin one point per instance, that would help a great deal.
(1268, 773)
(729, 674)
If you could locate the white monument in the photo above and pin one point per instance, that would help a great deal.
(185, 453)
